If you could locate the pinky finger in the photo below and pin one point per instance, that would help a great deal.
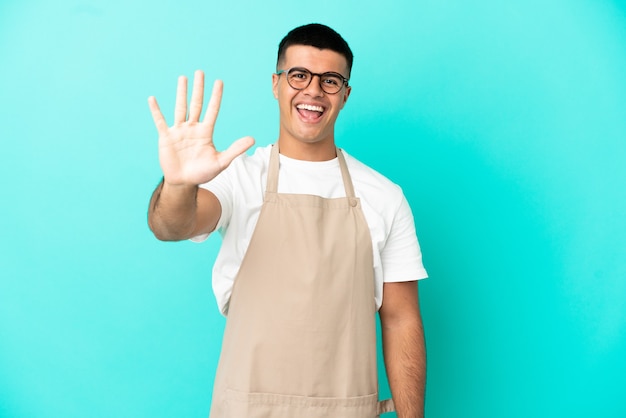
(157, 116)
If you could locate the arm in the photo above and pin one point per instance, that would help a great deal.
(403, 347)
(178, 212)
(179, 209)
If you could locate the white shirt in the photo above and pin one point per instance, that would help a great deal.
(240, 189)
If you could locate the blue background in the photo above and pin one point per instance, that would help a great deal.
(504, 122)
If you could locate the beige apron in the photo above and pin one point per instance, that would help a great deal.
(300, 338)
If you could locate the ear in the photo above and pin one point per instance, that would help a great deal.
(346, 94)
(275, 78)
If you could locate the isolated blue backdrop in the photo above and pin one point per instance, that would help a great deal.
(504, 122)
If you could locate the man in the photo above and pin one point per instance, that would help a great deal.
(314, 242)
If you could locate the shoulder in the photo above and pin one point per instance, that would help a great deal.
(371, 184)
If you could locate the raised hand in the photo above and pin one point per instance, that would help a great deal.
(186, 151)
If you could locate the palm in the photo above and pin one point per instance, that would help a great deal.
(187, 154)
(186, 150)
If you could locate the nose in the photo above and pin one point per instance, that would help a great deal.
(314, 88)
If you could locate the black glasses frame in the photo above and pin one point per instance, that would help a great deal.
(287, 71)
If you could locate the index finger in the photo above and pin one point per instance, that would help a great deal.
(214, 103)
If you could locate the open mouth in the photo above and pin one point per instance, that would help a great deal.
(311, 113)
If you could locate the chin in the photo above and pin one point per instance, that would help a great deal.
(312, 140)
(313, 137)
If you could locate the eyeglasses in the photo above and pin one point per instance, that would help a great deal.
(299, 78)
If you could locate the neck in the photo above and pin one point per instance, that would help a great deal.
(316, 151)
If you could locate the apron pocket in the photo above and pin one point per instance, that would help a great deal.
(271, 405)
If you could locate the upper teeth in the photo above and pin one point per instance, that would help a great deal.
(310, 107)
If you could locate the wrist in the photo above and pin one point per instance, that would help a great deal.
(178, 188)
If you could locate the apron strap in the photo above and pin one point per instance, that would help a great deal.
(345, 174)
(272, 172)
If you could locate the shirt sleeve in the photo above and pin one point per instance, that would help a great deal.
(401, 256)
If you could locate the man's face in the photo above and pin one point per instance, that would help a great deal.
(309, 115)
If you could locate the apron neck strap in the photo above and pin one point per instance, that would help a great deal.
(345, 174)
(272, 173)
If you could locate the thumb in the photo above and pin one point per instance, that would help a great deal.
(236, 149)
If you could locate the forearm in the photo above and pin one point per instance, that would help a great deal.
(405, 360)
(172, 212)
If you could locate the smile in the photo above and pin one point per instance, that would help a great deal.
(310, 112)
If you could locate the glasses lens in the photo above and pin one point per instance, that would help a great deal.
(299, 78)
(331, 83)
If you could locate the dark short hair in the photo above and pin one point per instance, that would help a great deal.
(319, 36)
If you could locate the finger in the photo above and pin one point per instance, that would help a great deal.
(214, 103)
(197, 96)
(157, 116)
(236, 149)
(180, 109)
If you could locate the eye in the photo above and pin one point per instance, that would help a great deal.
(298, 75)
(332, 80)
